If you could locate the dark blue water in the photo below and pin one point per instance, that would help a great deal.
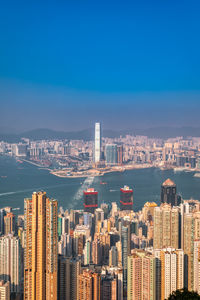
(23, 179)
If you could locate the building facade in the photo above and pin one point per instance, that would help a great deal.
(41, 243)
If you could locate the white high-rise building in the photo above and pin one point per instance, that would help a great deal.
(97, 143)
(171, 271)
(10, 262)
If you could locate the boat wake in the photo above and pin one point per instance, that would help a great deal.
(79, 194)
(37, 189)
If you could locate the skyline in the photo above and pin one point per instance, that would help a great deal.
(67, 65)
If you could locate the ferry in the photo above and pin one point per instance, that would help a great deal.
(179, 169)
(197, 175)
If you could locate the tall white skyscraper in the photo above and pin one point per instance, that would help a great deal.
(10, 262)
(97, 143)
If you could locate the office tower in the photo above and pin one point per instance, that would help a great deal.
(125, 253)
(97, 143)
(62, 245)
(90, 200)
(68, 283)
(111, 154)
(74, 218)
(81, 233)
(40, 259)
(148, 210)
(113, 257)
(188, 247)
(87, 219)
(104, 239)
(126, 198)
(10, 262)
(99, 215)
(197, 266)
(96, 252)
(166, 227)
(172, 271)
(63, 225)
(87, 252)
(108, 288)
(141, 276)
(89, 286)
(2, 214)
(9, 223)
(168, 193)
(120, 154)
(4, 290)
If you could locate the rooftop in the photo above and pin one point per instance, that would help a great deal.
(168, 182)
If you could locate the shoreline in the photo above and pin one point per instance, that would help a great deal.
(99, 173)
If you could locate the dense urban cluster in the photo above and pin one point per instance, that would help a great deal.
(80, 155)
(100, 252)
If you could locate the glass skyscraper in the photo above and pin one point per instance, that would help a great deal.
(111, 154)
(97, 143)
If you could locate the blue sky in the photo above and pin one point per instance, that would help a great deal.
(65, 64)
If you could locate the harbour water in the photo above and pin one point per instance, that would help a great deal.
(19, 180)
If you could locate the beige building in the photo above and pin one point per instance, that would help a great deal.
(41, 242)
(197, 266)
(89, 286)
(141, 276)
(188, 247)
(166, 227)
(4, 290)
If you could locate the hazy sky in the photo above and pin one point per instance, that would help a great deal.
(130, 64)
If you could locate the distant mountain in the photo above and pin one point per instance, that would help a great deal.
(88, 134)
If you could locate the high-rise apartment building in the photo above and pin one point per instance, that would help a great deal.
(4, 290)
(97, 143)
(166, 227)
(197, 266)
(172, 271)
(141, 276)
(41, 242)
(96, 252)
(10, 262)
(108, 287)
(126, 198)
(68, 280)
(9, 223)
(120, 154)
(89, 286)
(188, 247)
(90, 200)
(168, 193)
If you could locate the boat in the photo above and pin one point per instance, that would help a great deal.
(103, 182)
(179, 169)
(197, 175)
(3, 176)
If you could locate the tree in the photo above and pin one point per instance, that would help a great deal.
(184, 294)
